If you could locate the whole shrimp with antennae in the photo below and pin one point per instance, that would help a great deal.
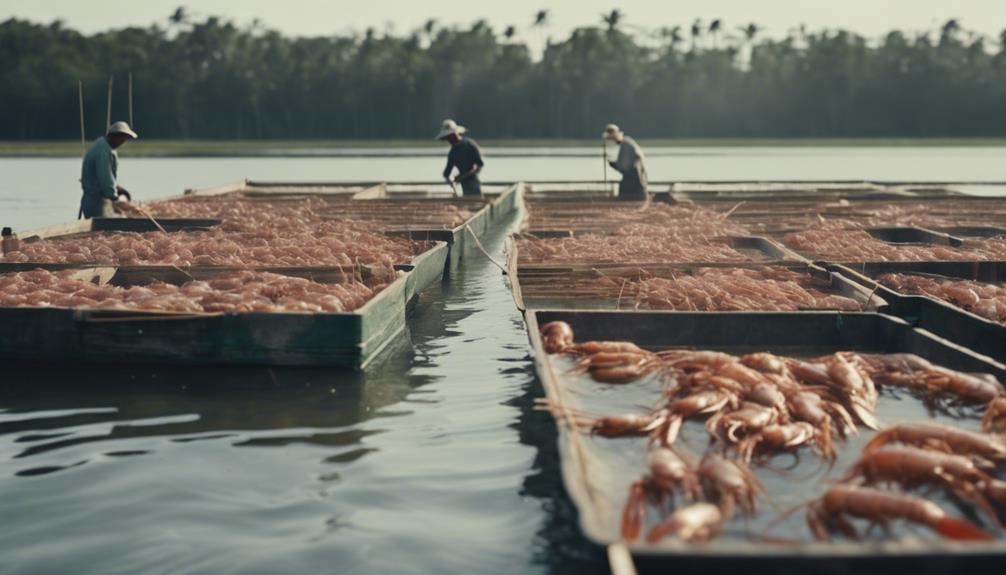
(694, 523)
(668, 474)
(854, 386)
(825, 415)
(557, 336)
(591, 347)
(911, 371)
(620, 367)
(994, 420)
(944, 438)
(625, 425)
(695, 402)
(911, 467)
(729, 484)
(689, 360)
(729, 427)
(779, 437)
(833, 511)
(765, 363)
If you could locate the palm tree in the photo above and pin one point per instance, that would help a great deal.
(612, 19)
(714, 31)
(696, 32)
(429, 26)
(750, 31)
(671, 35)
(541, 19)
(179, 16)
(949, 30)
(509, 32)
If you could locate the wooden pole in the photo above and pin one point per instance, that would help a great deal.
(80, 97)
(131, 124)
(109, 116)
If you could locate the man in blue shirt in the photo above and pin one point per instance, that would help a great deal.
(465, 156)
(99, 173)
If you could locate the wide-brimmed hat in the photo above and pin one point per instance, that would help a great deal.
(123, 128)
(610, 130)
(450, 127)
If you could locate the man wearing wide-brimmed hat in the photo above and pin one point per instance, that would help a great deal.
(100, 171)
(629, 163)
(464, 155)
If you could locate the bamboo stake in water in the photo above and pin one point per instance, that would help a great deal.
(108, 124)
(131, 124)
(80, 97)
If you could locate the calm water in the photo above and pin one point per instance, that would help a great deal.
(434, 461)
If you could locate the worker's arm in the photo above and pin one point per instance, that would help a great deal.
(476, 167)
(462, 177)
(625, 160)
(447, 170)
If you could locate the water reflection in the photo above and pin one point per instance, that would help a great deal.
(51, 408)
(433, 461)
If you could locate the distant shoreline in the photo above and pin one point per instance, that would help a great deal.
(406, 148)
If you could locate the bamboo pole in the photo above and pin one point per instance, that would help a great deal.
(80, 98)
(108, 124)
(131, 124)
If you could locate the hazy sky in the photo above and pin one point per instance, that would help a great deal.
(318, 17)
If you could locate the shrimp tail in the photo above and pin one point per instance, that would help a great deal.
(634, 513)
(961, 530)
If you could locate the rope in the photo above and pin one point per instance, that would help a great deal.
(145, 214)
(483, 249)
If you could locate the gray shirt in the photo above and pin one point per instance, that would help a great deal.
(630, 159)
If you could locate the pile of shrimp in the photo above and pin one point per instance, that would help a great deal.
(756, 288)
(657, 219)
(330, 244)
(763, 217)
(860, 246)
(758, 405)
(987, 300)
(598, 248)
(613, 233)
(239, 214)
(243, 291)
(769, 288)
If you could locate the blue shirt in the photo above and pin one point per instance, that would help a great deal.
(99, 170)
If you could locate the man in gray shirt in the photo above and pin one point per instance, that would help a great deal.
(629, 163)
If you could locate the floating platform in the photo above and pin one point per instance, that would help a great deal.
(351, 339)
(597, 471)
(397, 209)
(938, 316)
(559, 286)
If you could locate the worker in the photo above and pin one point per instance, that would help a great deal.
(464, 155)
(103, 196)
(629, 163)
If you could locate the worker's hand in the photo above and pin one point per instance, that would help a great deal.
(457, 179)
(612, 163)
(123, 193)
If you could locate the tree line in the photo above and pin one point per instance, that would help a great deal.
(213, 79)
